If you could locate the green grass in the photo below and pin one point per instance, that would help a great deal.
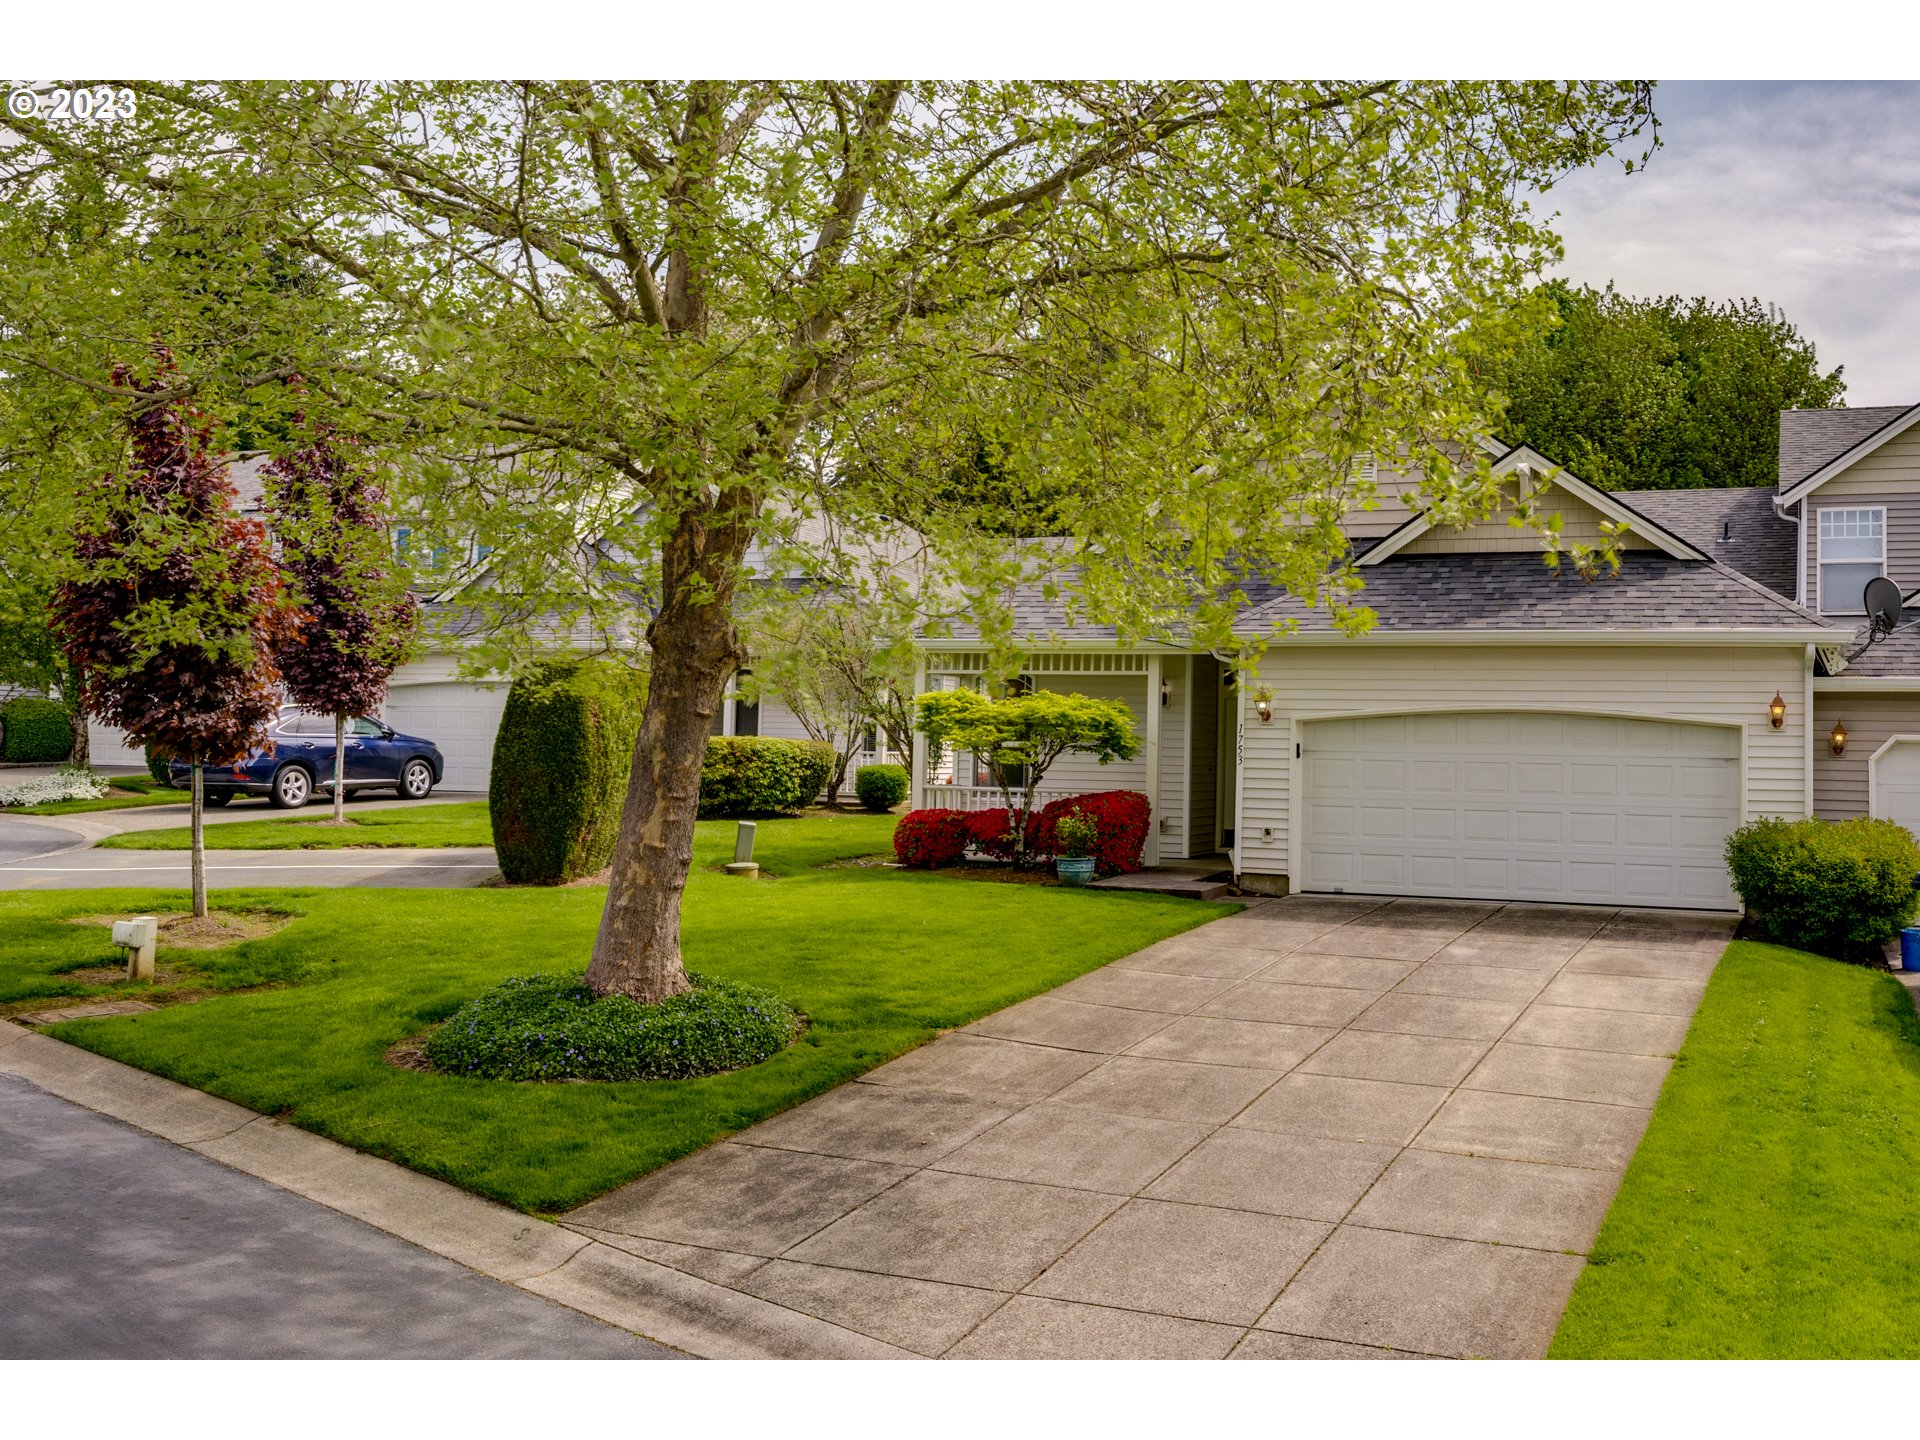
(1771, 1210)
(428, 826)
(880, 960)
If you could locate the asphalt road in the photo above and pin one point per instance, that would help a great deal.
(116, 1244)
(21, 841)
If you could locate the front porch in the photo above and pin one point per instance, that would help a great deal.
(1184, 713)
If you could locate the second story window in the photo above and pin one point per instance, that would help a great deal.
(1853, 549)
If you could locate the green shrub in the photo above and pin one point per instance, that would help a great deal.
(760, 775)
(880, 787)
(560, 766)
(37, 731)
(550, 1027)
(1840, 888)
(157, 767)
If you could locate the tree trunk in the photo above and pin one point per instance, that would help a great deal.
(340, 769)
(77, 721)
(199, 845)
(695, 652)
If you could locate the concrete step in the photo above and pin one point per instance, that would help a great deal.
(1184, 884)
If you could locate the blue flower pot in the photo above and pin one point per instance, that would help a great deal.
(1074, 869)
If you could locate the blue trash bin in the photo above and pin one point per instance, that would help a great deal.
(1910, 948)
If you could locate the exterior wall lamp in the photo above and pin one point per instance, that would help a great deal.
(1838, 739)
(1166, 694)
(1263, 704)
(1777, 711)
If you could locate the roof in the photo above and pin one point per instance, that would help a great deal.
(1810, 439)
(1898, 655)
(1500, 591)
(1736, 526)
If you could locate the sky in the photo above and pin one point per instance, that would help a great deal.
(1803, 194)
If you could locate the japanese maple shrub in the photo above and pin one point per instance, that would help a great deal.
(355, 622)
(170, 607)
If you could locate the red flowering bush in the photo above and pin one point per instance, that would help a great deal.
(928, 839)
(1123, 817)
(991, 832)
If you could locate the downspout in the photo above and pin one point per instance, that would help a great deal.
(1808, 747)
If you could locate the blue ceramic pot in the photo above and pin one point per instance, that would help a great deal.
(1074, 870)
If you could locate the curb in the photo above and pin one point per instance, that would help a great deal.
(700, 1319)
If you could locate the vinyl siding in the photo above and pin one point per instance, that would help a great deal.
(1840, 784)
(1170, 805)
(1890, 476)
(1082, 772)
(1667, 682)
(1580, 522)
(1202, 811)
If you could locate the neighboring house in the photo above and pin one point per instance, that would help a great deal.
(1505, 732)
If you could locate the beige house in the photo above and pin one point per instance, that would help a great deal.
(1505, 732)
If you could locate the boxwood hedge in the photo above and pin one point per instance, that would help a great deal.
(1841, 888)
(560, 766)
(37, 731)
(880, 787)
(762, 775)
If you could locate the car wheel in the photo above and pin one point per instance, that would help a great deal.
(216, 798)
(292, 788)
(416, 780)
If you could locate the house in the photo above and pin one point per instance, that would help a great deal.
(1507, 732)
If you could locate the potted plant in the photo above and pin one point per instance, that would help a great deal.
(1075, 835)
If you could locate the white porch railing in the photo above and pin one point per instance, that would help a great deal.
(980, 797)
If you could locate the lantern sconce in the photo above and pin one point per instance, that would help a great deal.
(1777, 711)
(1263, 704)
(1838, 739)
(1166, 694)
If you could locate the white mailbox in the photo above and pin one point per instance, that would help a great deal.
(137, 937)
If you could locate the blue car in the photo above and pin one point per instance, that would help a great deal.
(297, 763)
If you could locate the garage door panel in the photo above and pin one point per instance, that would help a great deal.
(461, 718)
(1586, 809)
(1896, 784)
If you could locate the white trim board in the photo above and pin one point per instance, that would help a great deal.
(1873, 765)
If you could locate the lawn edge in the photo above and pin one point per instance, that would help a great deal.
(658, 1303)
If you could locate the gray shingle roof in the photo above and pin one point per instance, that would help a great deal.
(1810, 438)
(1897, 655)
(1737, 527)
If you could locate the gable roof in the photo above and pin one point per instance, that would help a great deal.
(1606, 502)
(1816, 445)
(1737, 526)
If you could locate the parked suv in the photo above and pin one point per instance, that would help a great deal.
(297, 762)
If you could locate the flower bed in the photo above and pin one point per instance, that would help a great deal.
(928, 839)
(69, 782)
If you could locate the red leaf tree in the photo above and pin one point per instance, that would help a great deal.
(170, 608)
(356, 622)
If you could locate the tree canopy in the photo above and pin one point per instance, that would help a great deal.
(1658, 394)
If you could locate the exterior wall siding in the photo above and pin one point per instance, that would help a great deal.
(1729, 685)
(1082, 772)
(1579, 522)
(1890, 476)
(1840, 783)
(1170, 805)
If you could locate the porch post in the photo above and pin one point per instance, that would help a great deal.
(917, 778)
(1154, 675)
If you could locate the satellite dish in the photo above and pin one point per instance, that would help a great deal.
(1883, 605)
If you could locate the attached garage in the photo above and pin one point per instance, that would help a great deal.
(1585, 809)
(461, 717)
(1895, 782)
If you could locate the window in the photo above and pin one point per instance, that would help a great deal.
(363, 726)
(1853, 549)
(402, 534)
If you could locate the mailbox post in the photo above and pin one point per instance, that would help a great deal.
(137, 937)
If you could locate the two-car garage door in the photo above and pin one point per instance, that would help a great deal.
(1512, 806)
(461, 717)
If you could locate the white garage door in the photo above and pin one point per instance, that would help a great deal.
(1576, 808)
(1896, 784)
(460, 718)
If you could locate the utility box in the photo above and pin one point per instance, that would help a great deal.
(743, 861)
(137, 937)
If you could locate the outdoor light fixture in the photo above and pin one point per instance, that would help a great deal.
(1838, 739)
(1777, 711)
(1166, 693)
(1263, 707)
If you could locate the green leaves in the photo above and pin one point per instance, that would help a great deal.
(1031, 730)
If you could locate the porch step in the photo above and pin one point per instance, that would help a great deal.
(1171, 882)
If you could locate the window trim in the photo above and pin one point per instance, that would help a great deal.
(1820, 562)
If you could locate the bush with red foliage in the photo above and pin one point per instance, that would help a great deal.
(1123, 817)
(929, 839)
(991, 832)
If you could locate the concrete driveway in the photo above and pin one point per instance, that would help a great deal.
(115, 1244)
(1325, 1127)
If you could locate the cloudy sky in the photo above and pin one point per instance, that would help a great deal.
(1803, 194)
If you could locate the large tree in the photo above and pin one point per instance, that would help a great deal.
(169, 607)
(1651, 394)
(355, 620)
(661, 323)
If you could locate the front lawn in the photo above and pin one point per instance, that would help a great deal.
(880, 960)
(425, 825)
(1773, 1210)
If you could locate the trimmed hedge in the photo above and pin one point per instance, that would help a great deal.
(929, 839)
(1840, 888)
(37, 730)
(560, 767)
(880, 787)
(159, 767)
(762, 775)
(1123, 817)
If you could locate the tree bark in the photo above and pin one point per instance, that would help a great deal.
(696, 650)
(199, 845)
(77, 722)
(340, 769)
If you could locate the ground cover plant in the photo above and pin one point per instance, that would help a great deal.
(69, 782)
(428, 826)
(1768, 1211)
(125, 792)
(879, 960)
